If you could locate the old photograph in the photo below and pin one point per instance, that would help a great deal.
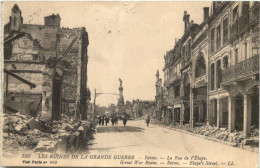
(130, 84)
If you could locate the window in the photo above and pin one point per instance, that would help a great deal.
(225, 62)
(231, 61)
(218, 37)
(236, 56)
(177, 91)
(212, 40)
(245, 51)
(14, 21)
(212, 76)
(200, 67)
(235, 13)
(245, 7)
(219, 79)
(225, 31)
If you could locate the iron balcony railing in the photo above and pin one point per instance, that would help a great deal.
(243, 22)
(234, 29)
(241, 70)
(254, 13)
(172, 78)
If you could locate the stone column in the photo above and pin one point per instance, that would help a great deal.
(167, 116)
(231, 114)
(182, 111)
(191, 108)
(173, 115)
(219, 113)
(200, 111)
(247, 114)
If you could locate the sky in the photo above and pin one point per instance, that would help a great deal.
(127, 39)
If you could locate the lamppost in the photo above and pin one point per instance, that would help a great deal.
(95, 96)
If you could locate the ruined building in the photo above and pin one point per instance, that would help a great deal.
(45, 68)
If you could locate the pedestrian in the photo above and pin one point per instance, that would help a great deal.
(148, 120)
(102, 120)
(124, 120)
(113, 120)
(116, 119)
(99, 120)
(107, 120)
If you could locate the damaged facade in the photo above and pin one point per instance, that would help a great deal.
(159, 98)
(45, 68)
(211, 76)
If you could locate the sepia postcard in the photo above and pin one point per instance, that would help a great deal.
(130, 84)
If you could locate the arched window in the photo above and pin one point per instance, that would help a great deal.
(200, 66)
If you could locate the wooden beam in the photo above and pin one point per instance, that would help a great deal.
(14, 38)
(20, 78)
(6, 88)
(69, 47)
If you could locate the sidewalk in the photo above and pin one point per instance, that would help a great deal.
(221, 135)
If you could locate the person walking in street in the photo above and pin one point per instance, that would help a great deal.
(116, 119)
(106, 120)
(124, 120)
(148, 120)
(113, 120)
(99, 120)
(102, 120)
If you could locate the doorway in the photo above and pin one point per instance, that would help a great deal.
(239, 112)
(56, 98)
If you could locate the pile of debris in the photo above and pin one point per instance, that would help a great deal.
(26, 133)
(235, 138)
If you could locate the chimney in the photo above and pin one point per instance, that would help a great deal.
(52, 21)
(206, 13)
(186, 19)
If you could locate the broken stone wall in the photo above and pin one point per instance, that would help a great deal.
(70, 76)
(75, 79)
(20, 96)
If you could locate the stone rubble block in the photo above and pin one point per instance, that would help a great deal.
(33, 124)
(47, 146)
(251, 142)
(68, 127)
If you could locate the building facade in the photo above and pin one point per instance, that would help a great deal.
(234, 65)
(159, 97)
(46, 67)
(172, 83)
(219, 69)
(199, 73)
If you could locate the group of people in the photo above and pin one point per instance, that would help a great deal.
(104, 120)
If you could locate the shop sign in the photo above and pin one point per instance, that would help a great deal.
(200, 82)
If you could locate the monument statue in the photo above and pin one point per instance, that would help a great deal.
(120, 103)
(121, 82)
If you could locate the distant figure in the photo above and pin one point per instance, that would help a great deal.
(148, 120)
(113, 120)
(116, 119)
(102, 120)
(99, 120)
(106, 120)
(124, 120)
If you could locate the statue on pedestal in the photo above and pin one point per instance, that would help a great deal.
(120, 103)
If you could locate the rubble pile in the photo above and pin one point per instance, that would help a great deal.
(235, 138)
(27, 133)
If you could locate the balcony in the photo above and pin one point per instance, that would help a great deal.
(234, 29)
(241, 70)
(254, 13)
(243, 22)
(172, 78)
